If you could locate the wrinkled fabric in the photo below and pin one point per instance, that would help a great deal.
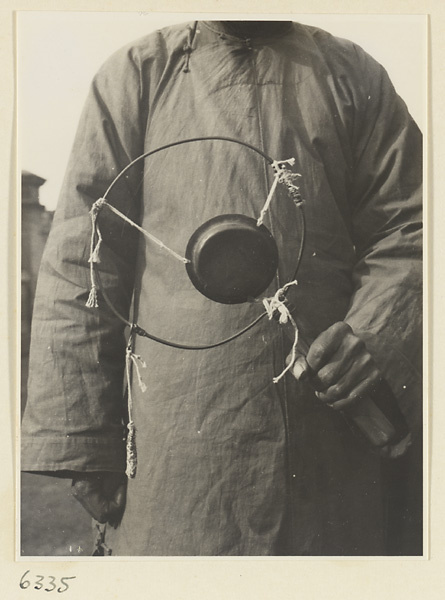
(230, 463)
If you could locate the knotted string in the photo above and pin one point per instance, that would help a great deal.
(94, 251)
(95, 248)
(132, 361)
(277, 304)
(285, 176)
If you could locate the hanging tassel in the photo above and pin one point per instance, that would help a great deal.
(131, 430)
(132, 460)
(131, 360)
(92, 298)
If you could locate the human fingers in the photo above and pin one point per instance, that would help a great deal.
(349, 390)
(325, 345)
(362, 368)
(351, 356)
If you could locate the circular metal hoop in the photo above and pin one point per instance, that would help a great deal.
(199, 244)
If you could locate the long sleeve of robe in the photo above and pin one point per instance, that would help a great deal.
(228, 461)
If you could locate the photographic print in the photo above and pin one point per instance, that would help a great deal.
(221, 285)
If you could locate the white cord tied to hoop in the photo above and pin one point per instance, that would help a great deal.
(94, 251)
(285, 176)
(277, 303)
(94, 248)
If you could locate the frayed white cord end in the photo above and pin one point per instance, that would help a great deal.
(92, 298)
(138, 360)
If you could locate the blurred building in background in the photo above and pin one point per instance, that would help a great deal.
(36, 223)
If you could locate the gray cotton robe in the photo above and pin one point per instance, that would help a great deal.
(230, 463)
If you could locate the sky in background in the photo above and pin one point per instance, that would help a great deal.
(58, 54)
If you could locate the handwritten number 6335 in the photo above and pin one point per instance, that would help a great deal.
(47, 583)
